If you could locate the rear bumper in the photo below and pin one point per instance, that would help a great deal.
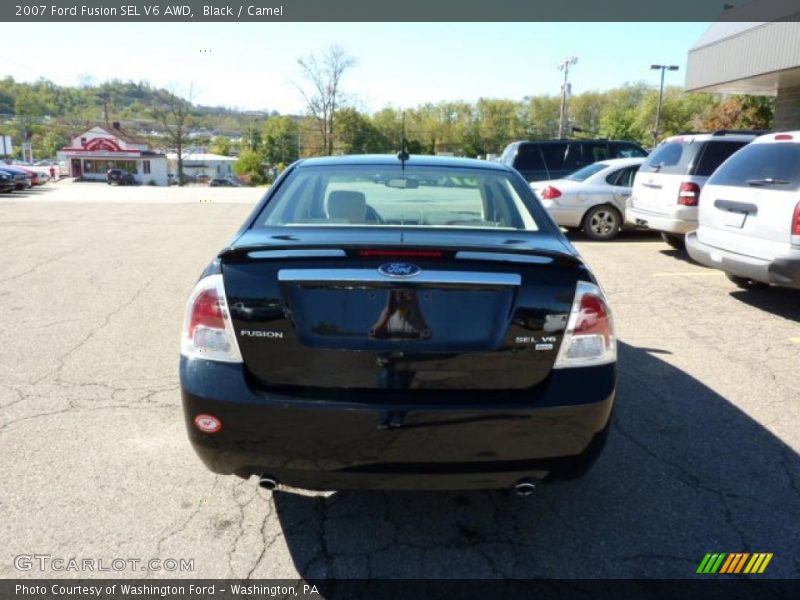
(668, 223)
(565, 216)
(783, 270)
(428, 443)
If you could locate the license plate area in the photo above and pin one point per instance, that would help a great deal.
(735, 219)
(356, 317)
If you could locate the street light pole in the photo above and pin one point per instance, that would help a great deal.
(562, 120)
(660, 97)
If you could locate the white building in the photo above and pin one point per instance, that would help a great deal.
(203, 165)
(742, 53)
(103, 147)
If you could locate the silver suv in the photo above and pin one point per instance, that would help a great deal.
(750, 215)
(666, 191)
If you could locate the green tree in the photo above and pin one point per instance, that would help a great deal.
(389, 125)
(220, 145)
(540, 116)
(498, 122)
(250, 165)
(356, 134)
(280, 140)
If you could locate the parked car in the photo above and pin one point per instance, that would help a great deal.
(592, 198)
(395, 334)
(666, 191)
(750, 215)
(224, 182)
(21, 179)
(31, 174)
(119, 177)
(554, 159)
(7, 183)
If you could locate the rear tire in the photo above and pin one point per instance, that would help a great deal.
(676, 241)
(602, 223)
(745, 283)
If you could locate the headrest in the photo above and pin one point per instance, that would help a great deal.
(347, 205)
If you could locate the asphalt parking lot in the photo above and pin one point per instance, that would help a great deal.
(702, 457)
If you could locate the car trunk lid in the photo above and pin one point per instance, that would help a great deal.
(401, 309)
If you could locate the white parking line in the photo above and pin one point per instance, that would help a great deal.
(688, 274)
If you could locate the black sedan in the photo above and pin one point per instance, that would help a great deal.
(224, 182)
(385, 322)
(119, 177)
(7, 183)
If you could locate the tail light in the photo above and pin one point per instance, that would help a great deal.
(689, 194)
(373, 253)
(207, 329)
(550, 193)
(589, 338)
(796, 224)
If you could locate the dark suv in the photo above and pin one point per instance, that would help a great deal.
(542, 160)
(119, 177)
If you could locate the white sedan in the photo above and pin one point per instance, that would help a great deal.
(592, 198)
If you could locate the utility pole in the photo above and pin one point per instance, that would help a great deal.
(660, 97)
(565, 90)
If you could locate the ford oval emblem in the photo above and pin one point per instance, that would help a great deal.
(399, 269)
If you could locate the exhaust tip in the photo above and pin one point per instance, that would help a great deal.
(525, 488)
(267, 482)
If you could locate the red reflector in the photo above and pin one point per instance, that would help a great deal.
(549, 193)
(784, 136)
(413, 253)
(593, 316)
(689, 194)
(206, 312)
(796, 220)
(207, 423)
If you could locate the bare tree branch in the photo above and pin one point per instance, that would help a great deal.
(176, 117)
(325, 98)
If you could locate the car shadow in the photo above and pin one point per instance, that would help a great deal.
(29, 193)
(784, 302)
(681, 255)
(684, 473)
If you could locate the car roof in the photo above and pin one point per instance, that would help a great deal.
(623, 162)
(712, 137)
(780, 137)
(572, 141)
(415, 160)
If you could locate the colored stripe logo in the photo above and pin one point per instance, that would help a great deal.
(734, 563)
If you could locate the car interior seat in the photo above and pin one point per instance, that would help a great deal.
(346, 205)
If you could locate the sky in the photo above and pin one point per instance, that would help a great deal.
(253, 66)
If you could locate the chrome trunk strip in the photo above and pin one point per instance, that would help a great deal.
(423, 277)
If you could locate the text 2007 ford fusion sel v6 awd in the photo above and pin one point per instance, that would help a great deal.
(385, 322)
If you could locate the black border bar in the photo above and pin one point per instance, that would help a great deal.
(397, 10)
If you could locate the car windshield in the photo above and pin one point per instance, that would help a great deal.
(775, 166)
(586, 172)
(389, 195)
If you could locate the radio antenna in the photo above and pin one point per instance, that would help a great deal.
(403, 154)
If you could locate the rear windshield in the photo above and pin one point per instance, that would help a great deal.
(775, 166)
(586, 172)
(384, 195)
(670, 157)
